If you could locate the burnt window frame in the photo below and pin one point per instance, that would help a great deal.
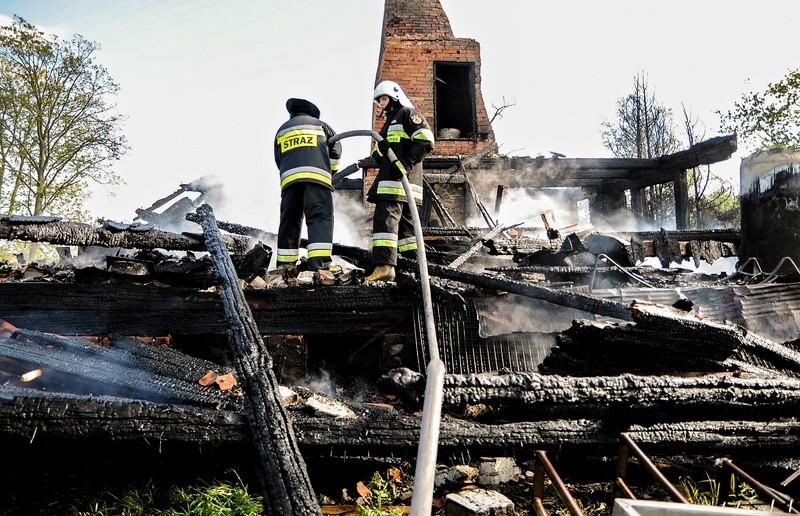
(467, 80)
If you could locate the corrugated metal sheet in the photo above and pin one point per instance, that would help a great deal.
(769, 310)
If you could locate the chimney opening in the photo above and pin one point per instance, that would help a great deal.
(455, 101)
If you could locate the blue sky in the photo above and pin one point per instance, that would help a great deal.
(203, 83)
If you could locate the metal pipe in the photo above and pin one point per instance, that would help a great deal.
(538, 507)
(563, 493)
(618, 266)
(624, 489)
(425, 471)
(779, 497)
(651, 468)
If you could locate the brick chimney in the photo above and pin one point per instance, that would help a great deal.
(439, 72)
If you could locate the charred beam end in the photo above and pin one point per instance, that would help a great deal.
(285, 481)
(706, 152)
(74, 233)
(236, 229)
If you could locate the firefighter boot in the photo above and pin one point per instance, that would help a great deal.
(381, 273)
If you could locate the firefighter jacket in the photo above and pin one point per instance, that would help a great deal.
(303, 154)
(411, 139)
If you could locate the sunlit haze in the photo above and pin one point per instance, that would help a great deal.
(204, 83)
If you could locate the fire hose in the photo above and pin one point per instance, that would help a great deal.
(425, 471)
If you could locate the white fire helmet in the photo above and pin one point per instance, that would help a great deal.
(393, 91)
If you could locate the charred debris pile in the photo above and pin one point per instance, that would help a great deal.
(558, 343)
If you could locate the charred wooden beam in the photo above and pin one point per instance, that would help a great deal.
(236, 229)
(360, 255)
(449, 232)
(69, 417)
(696, 329)
(565, 298)
(285, 481)
(680, 193)
(131, 309)
(76, 366)
(384, 432)
(74, 233)
(608, 173)
(589, 349)
(667, 341)
(706, 152)
(626, 397)
(729, 235)
(588, 436)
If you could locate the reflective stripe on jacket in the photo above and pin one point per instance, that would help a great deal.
(302, 151)
(411, 139)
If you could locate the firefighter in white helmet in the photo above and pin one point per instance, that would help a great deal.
(408, 134)
(306, 162)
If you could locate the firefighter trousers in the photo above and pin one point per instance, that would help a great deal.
(315, 203)
(392, 232)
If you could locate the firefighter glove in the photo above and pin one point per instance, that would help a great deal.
(396, 171)
(383, 147)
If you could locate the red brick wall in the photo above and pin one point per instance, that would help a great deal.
(409, 62)
(416, 34)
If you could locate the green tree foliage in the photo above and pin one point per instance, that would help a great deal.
(770, 118)
(58, 131)
(643, 128)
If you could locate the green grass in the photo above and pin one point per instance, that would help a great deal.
(707, 492)
(221, 498)
(383, 493)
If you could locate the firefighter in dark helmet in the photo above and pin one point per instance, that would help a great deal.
(306, 162)
(409, 136)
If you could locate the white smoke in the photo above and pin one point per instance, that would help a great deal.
(352, 225)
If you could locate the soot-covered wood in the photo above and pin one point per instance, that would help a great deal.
(285, 481)
(74, 233)
(149, 309)
(123, 370)
(380, 432)
(564, 298)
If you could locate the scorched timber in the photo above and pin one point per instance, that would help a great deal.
(379, 432)
(613, 173)
(695, 329)
(131, 309)
(284, 477)
(665, 340)
(73, 233)
(399, 433)
(89, 376)
(67, 418)
(531, 396)
(565, 298)
(123, 369)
